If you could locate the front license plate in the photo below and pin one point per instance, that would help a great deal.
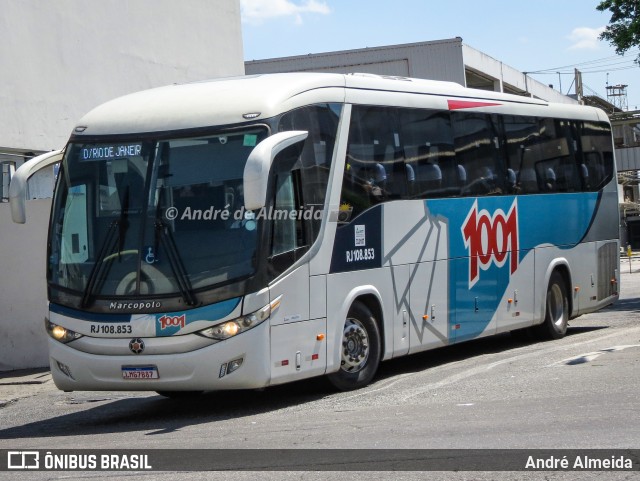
(140, 372)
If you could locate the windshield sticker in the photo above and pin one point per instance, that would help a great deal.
(250, 140)
(360, 239)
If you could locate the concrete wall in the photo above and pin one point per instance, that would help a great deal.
(23, 287)
(61, 58)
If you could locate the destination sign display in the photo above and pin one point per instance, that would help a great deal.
(109, 151)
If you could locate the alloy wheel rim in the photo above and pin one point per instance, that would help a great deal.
(355, 346)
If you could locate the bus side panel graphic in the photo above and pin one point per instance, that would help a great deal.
(358, 245)
(482, 235)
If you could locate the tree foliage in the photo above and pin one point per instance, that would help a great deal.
(623, 31)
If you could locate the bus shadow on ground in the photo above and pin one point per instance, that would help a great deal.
(630, 304)
(115, 413)
(466, 350)
(156, 415)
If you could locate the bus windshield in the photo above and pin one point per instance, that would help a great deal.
(153, 217)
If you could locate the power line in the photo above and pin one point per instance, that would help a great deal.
(611, 69)
(629, 63)
(600, 70)
(622, 62)
(603, 59)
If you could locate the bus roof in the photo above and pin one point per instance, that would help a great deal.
(234, 100)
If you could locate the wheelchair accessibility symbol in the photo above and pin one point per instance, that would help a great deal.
(150, 255)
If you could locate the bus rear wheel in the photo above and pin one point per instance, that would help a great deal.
(556, 317)
(360, 348)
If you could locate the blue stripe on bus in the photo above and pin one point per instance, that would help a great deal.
(171, 323)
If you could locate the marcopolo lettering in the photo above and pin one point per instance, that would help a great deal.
(134, 306)
(490, 239)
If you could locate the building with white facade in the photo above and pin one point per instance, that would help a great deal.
(59, 59)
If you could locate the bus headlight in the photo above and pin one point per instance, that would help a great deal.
(60, 333)
(234, 327)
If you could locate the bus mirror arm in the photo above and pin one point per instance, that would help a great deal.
(18, 186)
(256, 171)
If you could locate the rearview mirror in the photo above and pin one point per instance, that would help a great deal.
(18, 186)
(256, 172)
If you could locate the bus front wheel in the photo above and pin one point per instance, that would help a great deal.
(360, 349)
(556, 317)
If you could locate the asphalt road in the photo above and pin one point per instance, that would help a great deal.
(578, 392)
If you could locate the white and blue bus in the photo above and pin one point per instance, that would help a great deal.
(247, 232)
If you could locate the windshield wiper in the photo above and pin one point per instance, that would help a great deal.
(107, 247)
(99, 266)
(123, 223)
(168, 243)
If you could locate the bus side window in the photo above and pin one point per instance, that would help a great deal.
(477, 150)
(597, 166)
(289, 230)
(427, 141)
(374, 167)
(355, 196)
(520, 136)
(321, 122)
(555, 162)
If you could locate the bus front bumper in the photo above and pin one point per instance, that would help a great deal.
(204, 369)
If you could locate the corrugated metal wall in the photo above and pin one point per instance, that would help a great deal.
(628, 159)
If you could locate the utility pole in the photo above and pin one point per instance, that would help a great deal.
(579, 91)
(560, 81)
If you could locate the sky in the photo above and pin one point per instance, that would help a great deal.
(531, 36)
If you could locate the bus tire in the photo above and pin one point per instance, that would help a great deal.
(556, 317)
(361, 350)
